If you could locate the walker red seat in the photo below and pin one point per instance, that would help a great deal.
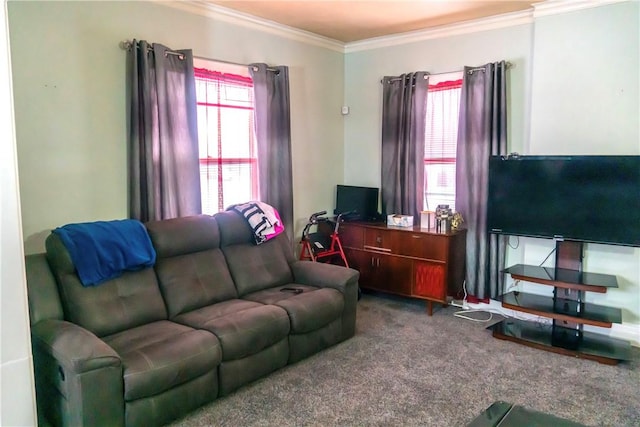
(320, 240)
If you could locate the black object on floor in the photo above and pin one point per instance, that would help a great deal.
(505, 414)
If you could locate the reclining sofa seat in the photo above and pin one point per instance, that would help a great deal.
(200, 293)
(264, 273)
(121, 360)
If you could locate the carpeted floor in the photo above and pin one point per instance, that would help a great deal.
(404, 368)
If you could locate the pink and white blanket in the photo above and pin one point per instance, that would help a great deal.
(263, 219)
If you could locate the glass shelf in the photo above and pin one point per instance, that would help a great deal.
(601, 348)
(562, 309)
(564, 278)
(567, 309)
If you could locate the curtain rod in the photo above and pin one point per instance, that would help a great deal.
(127, 45)
(274, 70)
(471, 71)
(395, 79)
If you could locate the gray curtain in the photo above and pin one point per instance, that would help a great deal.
(164, 175)
(273, 134)
(482, 132)
(403, 131)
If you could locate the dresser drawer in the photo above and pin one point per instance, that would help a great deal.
(427, 246)
(380, 240)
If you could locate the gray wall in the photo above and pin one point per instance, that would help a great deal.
(585, 85)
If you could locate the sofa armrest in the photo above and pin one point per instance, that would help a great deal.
(343, 279)
(78, 376)
(75, 348)
(324, 275)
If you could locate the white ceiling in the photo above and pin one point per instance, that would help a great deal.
(354, 20)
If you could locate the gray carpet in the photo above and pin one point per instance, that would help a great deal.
(404, 368)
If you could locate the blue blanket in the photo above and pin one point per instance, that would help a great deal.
(103, 250)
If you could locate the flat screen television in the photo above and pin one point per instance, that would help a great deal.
(581, 198)
(361, 202)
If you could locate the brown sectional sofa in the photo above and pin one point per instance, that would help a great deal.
(214, 313)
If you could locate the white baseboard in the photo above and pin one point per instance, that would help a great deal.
(625, 331)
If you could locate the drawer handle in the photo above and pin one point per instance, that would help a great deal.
(376, 249)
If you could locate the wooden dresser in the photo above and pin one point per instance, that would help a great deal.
(406, 261)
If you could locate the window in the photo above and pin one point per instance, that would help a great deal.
(228, 153)
(443, 105)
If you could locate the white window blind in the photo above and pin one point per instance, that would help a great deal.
(441, 133)
(228, 159)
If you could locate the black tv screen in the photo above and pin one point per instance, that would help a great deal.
(361, 202)
(582, 198)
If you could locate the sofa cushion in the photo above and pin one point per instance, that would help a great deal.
(44, 300)
(243, 327)
(278, 293)
(253, 267)
(161, 355)
(130, 300)
(179, 236)
(190, 275)
(195, 280)
(234, 229)
(311, 310)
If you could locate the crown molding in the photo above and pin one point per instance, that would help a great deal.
(545, 8)
(557, 7)
(202, 8)
(466, 27)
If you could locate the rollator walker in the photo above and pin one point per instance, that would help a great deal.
(323, 244)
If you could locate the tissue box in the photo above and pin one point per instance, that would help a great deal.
(397, 220)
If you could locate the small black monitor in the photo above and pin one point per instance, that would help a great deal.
(360, 202)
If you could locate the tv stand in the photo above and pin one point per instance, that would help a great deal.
(567, 309)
